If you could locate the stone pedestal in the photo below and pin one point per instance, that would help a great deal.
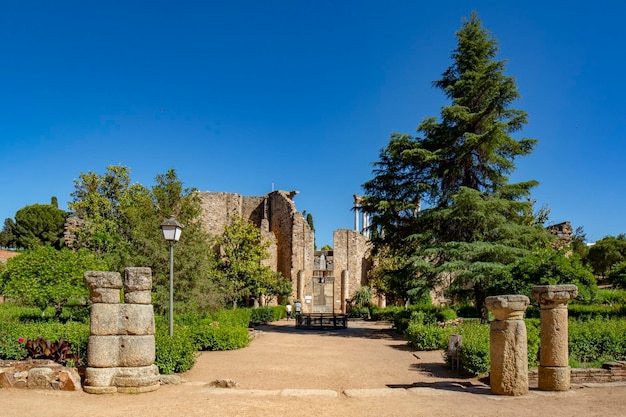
(507, 345)
(554, 371)
(121, 350)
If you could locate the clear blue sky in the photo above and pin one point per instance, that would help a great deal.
(239, 95)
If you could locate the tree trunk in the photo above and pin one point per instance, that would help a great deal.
(479, 299)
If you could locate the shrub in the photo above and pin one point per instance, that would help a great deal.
(279, 312)
(474, 352)
(427, 336)
(176, 353)
(387, 313)
(597, 340)
(236, 317)
(611, 296)
(359, 312)
(216, 336)
(617, 275)
(45, 277)
(261, 315)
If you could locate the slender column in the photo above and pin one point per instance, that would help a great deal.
(345, 290)
(554, 371)
(508, 345)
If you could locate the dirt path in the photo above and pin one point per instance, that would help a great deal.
(342, 373)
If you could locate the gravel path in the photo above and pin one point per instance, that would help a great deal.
(365, 370)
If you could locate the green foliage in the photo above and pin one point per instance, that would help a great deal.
(596, 340)
(21, 323)
(7, 237)
(218, 336)
(46, 277)
(262, 315)
(422, 336)
(548, 267)
(617, 275)
(609, 296)
(606, 253)
(474, 352)
(239, 317)
(359, 313)
(176, 353)
(362, 297)
(242, 251)
(442, 204)
(388, 313)
(38, 224)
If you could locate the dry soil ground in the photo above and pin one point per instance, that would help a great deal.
(365, 370)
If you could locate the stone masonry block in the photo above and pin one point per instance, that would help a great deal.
(138, 297)
(41, 378)
(101, 279)
(117, 351)
(122, 319)
(105, 295)
(137, 279)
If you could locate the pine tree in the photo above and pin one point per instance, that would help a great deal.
(444, 196)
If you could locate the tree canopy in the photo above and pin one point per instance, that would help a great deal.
(442, 201)
(46, 277)
(35, 225)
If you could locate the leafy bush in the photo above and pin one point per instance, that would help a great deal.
(216, 336)
(261, 315)
(359, 312)
(24, 323)
(279, 312)
(387, 313)
(236, 317)
(427, 336)
(611, 296)
(176, 353)
(59, 351)
(474, 351)
(362, 297)
(45, 277)
(596, 340)
(617, 275)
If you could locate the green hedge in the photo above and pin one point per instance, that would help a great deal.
(216, 336)
(598, 340)
(176, 353)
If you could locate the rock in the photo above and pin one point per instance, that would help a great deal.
(41, 378)
(69, 380)
(7, 380)
(171, 380)
(224, 383)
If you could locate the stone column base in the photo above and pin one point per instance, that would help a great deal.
(554, 378)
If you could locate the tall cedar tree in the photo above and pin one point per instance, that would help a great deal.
(423, 185)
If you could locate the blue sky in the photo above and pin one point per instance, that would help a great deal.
(238, 96)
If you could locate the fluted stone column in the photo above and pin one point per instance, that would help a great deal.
(554, 371)
(121, 349)
(508, 345)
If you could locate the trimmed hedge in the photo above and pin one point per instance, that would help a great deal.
(176, 353)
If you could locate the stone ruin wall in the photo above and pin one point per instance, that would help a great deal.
(291, 239)
(351, 252)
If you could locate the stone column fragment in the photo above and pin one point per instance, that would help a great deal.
(104, 287)
(508, 345)
(554, 371)
(121, 349)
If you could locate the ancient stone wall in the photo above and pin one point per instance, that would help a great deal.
(281, 224)
(351, 257)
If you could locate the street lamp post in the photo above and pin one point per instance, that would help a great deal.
(171, 232)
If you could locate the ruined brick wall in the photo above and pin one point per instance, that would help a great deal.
(352, 253)
(290, 236)
(294, 237)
